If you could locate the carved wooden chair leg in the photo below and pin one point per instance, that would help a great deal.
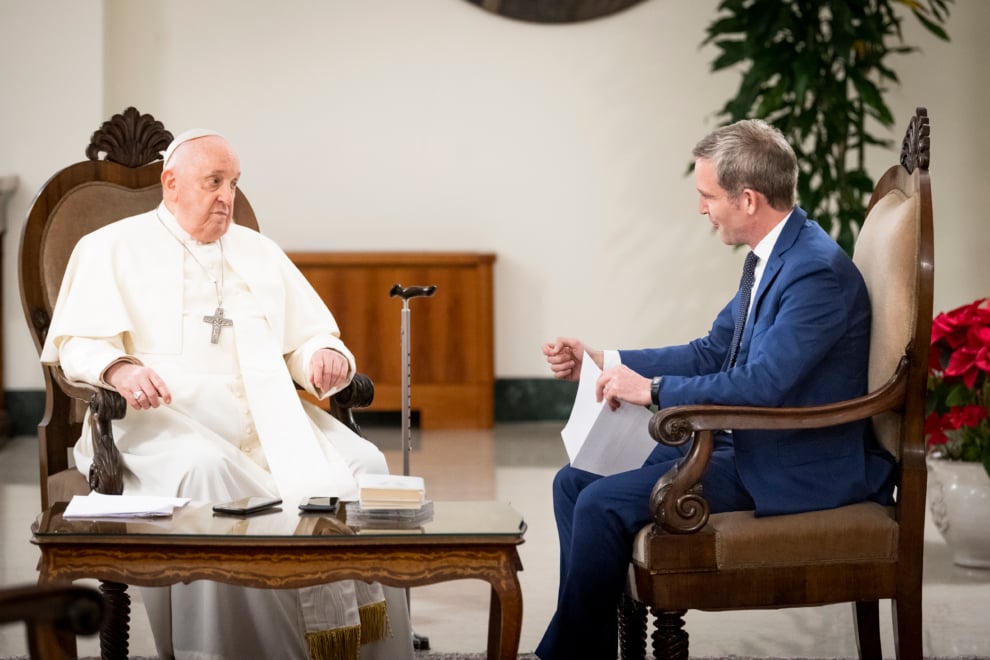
(670, 640)
(906, 611)
(114, 638)
(866, 614)
(632, 629)
(46, 641)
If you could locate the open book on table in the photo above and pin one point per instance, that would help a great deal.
(601, 440)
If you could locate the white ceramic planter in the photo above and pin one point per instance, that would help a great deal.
(959, 500)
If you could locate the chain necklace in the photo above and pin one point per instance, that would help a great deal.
(217, 320)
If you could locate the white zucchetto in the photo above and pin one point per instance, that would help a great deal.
(182, 138)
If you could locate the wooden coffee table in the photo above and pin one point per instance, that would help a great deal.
(286, 549)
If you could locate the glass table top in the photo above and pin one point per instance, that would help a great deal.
(466, 518)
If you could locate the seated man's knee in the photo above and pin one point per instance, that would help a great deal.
(589, 504)
(569, 482)
(603, 507)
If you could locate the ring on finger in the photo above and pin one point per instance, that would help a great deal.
(138, 394)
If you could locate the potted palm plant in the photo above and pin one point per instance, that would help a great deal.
(818, 71)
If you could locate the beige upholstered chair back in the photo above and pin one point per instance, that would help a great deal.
(85, 208)
(75, 201)
(886, 254)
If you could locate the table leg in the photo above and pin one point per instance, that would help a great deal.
(494, 625)
(505, 619)
(114, 642)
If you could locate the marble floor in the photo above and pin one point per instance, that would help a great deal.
(515, 463)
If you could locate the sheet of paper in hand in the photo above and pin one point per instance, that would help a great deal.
(601, 440)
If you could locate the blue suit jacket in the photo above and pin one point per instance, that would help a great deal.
(806, 342)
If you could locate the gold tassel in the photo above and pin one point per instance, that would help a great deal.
(336, 644)
(374, 622)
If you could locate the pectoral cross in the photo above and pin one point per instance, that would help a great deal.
(218, 322)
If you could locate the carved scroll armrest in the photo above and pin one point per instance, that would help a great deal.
(678, 506)
(359, 394)
(105, 473)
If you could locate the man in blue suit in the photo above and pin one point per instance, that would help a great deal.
(804, 314)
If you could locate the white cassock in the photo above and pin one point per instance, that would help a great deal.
(236, 425)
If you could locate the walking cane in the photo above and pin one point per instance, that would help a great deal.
(407, 293)
(420, 642)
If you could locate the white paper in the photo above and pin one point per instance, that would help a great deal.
(97, 505)
(601, 440)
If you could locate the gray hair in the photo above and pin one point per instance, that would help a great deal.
(752, 154)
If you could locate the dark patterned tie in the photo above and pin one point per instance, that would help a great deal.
(745, 290)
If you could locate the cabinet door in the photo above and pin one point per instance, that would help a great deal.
(451, 333)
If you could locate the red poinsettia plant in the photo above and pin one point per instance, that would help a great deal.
(957, 425)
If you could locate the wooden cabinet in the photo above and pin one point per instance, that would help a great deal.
(452, 333)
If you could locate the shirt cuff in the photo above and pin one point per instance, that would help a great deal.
(610, 358)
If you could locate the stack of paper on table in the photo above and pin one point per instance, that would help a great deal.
(391, 491)
(601, 440)
(97, 505)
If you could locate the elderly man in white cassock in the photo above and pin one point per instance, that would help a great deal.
(204, 327)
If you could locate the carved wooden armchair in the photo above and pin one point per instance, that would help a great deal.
(53, 615)
(860, 553)
(75, 201)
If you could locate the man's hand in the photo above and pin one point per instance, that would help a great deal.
(138, 384)
(620, 383)
(328, 370)
(564, 355)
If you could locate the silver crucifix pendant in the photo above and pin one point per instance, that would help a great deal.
(218, 322)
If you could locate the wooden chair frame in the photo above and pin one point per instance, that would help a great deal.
(53, 616)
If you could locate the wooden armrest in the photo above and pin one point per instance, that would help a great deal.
(359, 394)
(74, 388)
(105, 473)
(77, 609)
(676, 501)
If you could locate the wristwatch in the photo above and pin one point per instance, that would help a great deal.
(655, 390)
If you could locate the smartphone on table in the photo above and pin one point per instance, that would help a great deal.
(322, 504)
(247, 505)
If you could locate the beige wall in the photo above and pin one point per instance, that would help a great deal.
(431, 125)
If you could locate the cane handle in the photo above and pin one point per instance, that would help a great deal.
(412, 291)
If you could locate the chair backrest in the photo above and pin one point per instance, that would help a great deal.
(894, 252)
(73, 202)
